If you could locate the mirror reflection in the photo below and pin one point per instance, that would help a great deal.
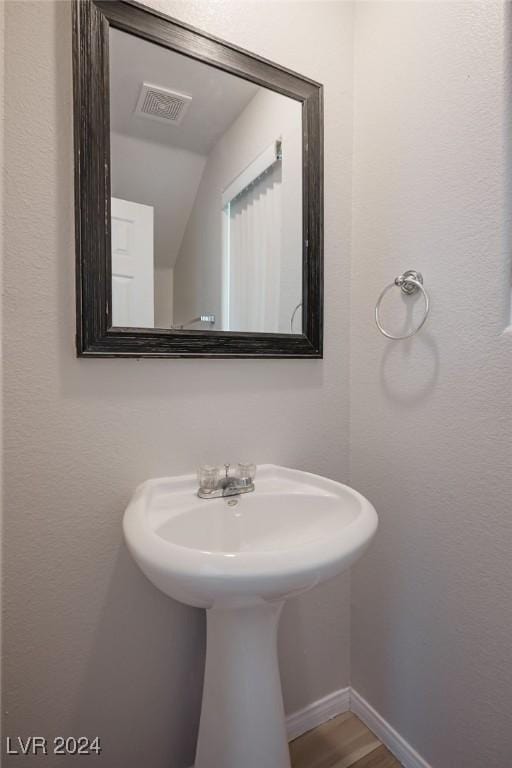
(206, 207)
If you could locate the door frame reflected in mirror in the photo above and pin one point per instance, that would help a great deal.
(96, 337)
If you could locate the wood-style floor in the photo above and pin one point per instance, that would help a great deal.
(344, 742)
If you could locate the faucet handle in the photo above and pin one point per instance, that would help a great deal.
(208, 476)
(247, 472)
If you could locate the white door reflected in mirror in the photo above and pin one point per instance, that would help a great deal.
(132, 264)
(217, 160)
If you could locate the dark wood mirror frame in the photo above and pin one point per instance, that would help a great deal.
(95, 335)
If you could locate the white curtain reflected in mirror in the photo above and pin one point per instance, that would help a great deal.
(206, 179)
(252, 248)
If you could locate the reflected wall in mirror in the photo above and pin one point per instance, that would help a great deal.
(199, 193)
(206, 185)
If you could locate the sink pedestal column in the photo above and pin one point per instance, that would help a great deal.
(242, 717)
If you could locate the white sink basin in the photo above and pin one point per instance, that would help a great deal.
(241, 557)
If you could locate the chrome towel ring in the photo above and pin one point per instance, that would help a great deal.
(409, 283)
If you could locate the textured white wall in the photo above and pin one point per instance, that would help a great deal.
(91, 646)
(164, 293)
(432, 418)
(163, 176)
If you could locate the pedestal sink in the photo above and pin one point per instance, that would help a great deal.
(240, 558)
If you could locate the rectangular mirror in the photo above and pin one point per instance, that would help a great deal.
(199, 193)
(206, 195)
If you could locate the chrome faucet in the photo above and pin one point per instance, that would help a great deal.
(235, 480)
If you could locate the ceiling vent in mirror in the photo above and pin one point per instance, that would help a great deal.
(161, 104)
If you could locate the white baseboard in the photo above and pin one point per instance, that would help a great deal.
(345, 700)
(317, 713)
(400, 748)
